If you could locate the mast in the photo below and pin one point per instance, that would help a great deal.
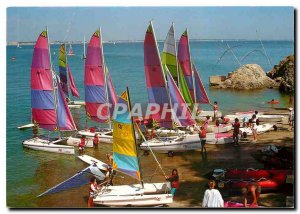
(167, 87)
(67, 71)
(53, 84)
(104, 73)
(133, 132)
(84, 56)
(193, 75)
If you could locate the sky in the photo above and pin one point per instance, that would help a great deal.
(130, 23)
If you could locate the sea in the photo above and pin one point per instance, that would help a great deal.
(29, 173)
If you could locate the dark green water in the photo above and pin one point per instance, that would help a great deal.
(30, 172)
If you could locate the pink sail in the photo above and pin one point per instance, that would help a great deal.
(65, 120)
(112, 96)
(42, 94)
(184, 59)
(201, 96)
(73, 87)
(182, 111)
(94, 82)
(156, 87)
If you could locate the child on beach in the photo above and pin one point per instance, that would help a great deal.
(212, 197)
(236, 131)
(202, 136)
(215, 107)
(81, 145)
(254, 189)
(96, 141)
(94, 189)
(253, 128)
(174, 179)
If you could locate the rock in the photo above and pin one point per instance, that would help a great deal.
(249, 76)
(284, 74)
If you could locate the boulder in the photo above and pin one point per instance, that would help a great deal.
(284, 74)
(249, 76)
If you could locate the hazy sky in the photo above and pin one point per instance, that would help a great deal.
(130, 23)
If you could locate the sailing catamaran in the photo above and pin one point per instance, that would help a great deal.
(125, 160)
(49, 108)
(99, 90)
(66, 76)
(70, 52)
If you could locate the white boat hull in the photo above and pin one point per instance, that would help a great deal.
(48, 146)
(219, 129)
(30, 125)
(209, 113)
(104, 137)
(261, 117)
(173, 144)
(90, 160)
(75, 141)
(221, 138)
(167, 132)
(74, 106)
(78, 102)
(260, 129)
(134, 200)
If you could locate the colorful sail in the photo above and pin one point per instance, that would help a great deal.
(124, 148)
(73, 87)
(155, 80)
(42, 93)
(94, 81)
(180, 108)
(64, 117)
(168, 56)
(112, 96)
(201, 96)
(184, 59)
(184, 89)
(62, 62)
(79, 179)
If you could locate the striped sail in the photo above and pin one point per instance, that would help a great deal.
(156, 86)
(184, 89)
(73, 87)
(124, 148)
(168, 56)
(62, 63)
(64, 118)
(201, 96)
(182, 111)
(184, 59)
(94, 81)
(42, 93)
(112, 97)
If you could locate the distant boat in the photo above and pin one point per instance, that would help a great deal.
(70, 52)
(18, 45)
(13, 58)
(84, 52)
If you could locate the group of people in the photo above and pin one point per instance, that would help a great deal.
(213, 198)
(84, 141)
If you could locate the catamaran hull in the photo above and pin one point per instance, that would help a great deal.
(74, 106)
(173, 144)
(167, 132)
(221, 138)
(262, 118)
(75, 141)
(260, 129)
(222, 128)
(135, 200)
(48, 146)
(78, 102)
(30, 125)
(103, 137)
(90, 160)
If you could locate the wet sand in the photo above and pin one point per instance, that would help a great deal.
(192, 166)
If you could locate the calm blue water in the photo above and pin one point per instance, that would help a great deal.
(125, 62)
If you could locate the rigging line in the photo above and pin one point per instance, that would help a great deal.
(233, 54)
(263, 48)
(69, 27)
(255, 50)
(139, 130)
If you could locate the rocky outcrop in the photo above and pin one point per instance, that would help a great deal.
(249, 76)
(284, 74)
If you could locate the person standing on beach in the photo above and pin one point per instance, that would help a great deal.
(291, 118)
(202, 136)
(174, 179)
(212, 197)
(81, 145)
(215, 107)
(96, 141)
(205, 125)
(254, 189)
(236, 131)
(253, 127)
(94, 189)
